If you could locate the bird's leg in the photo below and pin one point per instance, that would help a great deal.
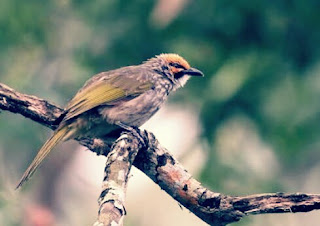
(134, 130)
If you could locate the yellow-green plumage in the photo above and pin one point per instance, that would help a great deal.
(90, 96)
(58, 136)
(100, 93)
(130, 95)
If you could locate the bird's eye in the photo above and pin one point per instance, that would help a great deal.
(176, 65)
(178, 75)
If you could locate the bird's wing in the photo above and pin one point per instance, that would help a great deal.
(103, 92)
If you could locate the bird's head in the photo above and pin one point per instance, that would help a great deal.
(175, 67)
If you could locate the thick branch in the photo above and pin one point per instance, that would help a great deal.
(29, 106)
(168, 173)
(112, 197)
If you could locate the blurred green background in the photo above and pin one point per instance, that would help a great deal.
(256, 111)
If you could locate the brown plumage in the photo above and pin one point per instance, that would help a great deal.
(128, 95)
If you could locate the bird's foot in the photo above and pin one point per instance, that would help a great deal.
(140, 134)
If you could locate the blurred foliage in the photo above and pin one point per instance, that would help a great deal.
(261, 60)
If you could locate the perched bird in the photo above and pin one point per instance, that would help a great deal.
(123, 98)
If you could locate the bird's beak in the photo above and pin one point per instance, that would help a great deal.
(193, 72)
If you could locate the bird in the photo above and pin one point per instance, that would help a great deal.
(115, 100)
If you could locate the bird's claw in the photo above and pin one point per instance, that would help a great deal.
(140, 134)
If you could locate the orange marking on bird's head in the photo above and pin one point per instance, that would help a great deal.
(175, 59)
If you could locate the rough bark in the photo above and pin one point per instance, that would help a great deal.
(112, 197)
(157, 163)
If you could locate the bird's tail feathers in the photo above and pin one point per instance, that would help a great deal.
(59, 134)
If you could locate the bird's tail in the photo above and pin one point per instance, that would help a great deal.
(58, 135)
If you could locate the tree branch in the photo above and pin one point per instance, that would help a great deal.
(29, 106)
(156, 162)
(112, 197)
